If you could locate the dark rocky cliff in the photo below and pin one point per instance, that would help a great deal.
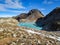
(50, 22)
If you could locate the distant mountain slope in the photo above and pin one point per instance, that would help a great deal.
(32, 15)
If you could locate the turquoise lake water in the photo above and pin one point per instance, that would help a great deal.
(29, 25)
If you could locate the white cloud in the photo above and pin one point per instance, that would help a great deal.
(6, 15)
(11, 4)
(48, 2)
(17, 12)
(42, 9)
(2, 8)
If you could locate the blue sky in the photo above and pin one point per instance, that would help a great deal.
(15, 7)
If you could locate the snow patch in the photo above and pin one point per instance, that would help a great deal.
(1, 30)
(30, 31)
(58, 38)
(52, 37)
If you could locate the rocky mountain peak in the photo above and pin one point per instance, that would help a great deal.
(34, 10)
(55, 11)
(32, 15)
(57, 7)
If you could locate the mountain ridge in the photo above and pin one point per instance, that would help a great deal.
(32, 15)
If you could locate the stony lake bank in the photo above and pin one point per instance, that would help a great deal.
(11, 34)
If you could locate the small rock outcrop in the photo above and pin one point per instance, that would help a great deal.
(50, 22)
(32, 15)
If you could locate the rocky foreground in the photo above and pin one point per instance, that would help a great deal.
(11, 34)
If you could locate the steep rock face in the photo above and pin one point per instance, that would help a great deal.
(39, 22)
(51, 21)
(32, 15)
